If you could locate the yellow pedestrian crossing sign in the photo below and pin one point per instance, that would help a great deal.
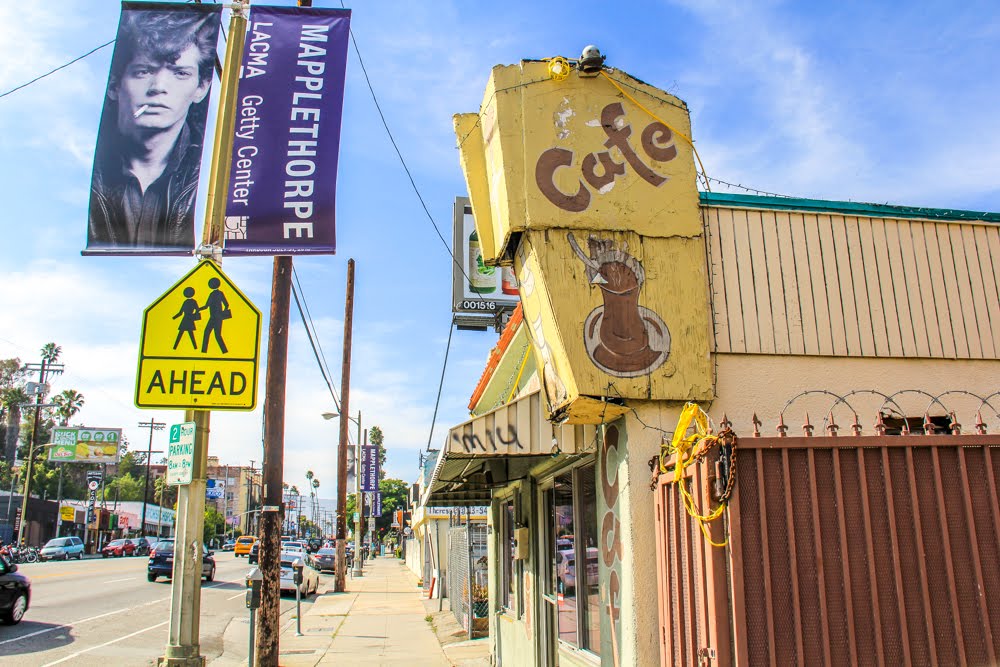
(200, 344)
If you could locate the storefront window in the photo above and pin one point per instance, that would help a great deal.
(574, 502)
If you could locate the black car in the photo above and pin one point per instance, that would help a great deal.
(313, 544)
(15, 592)
(142, 546)
(161, 562)
(324, 559)
(254, 554)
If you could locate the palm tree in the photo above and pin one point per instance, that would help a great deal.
(13, 398)
(68, 403)
(50, 353)
(315, 507)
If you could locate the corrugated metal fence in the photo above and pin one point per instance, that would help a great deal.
(843, 551)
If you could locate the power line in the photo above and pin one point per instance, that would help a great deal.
(39, 78)
(437, 402)
(312, 342)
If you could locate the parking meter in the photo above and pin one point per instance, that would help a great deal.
(297, 566)
(254, 581)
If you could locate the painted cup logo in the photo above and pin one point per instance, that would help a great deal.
(622, 338)
(600, 170)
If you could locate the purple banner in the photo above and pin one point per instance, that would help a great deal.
(375, 506)
(282, 189)
(149, 145)
(369, 468)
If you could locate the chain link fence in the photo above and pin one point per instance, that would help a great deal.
(467, 577)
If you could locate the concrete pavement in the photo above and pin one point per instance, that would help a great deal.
(381, 620)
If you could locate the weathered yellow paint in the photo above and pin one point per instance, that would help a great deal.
(473, 159)
(565, 308)
(528, 121)
(595, 200)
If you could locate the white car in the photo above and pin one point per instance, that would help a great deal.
(294, 546)
(310, 577)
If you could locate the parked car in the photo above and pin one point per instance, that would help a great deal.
(142, 546)
(310, 577)
(324, 559)
(228, 545)
(243, 545)
(254, 555)
(566, 568)
(62, 548)
(15, 592)
(118, 548)
(161, 562)
(296, 547)
(313, 544)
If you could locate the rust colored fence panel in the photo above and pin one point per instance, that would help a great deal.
(868, 550)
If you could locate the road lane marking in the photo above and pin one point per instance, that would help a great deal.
(94, 618)
(236, 596)
(115, 581)
(75, 623)
(113, 641)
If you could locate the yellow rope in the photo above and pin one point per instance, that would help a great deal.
(688, 449)
(655, 117)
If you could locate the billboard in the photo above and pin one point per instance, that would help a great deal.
(476, 287)
(149, 144)
(282, 186)
(85, 445)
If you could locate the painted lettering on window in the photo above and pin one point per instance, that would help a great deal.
(600, 170)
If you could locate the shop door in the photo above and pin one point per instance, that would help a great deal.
(547, 617)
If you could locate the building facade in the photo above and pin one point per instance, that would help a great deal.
(756, 425)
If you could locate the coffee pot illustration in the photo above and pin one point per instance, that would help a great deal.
(622, 338)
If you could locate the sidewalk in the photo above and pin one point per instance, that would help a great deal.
(381, 620)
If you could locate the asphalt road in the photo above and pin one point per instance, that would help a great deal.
(105, 612)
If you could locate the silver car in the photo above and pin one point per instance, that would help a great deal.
(310, 577)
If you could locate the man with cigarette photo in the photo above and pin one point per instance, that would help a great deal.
(149, 148)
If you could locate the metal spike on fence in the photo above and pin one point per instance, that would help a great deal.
(879, 425)
(856, 426)
(928, 425)
(956, 428)
(980, 424)
(725, 423)
(756, 426)
(807, 428)
(782, 429)
(832, 427)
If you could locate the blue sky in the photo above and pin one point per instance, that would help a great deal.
(848, 101)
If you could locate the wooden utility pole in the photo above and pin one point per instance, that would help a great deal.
(268, 627)
(340, 584)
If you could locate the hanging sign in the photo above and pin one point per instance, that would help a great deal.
(282, 186)
(369, 468)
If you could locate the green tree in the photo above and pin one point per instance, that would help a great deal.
(68, 404)
(123, 487)
(164, 494)
(215, 523)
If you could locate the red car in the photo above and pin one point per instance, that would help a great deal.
(118, 548)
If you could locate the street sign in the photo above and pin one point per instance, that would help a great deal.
(67, 513)
(214, 494)
(92, 485)
(200, 345)
(180, 454)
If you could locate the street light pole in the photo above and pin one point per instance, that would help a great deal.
(46, 367)
(152, 425)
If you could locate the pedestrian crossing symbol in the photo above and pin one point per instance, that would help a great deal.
(200, 345)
